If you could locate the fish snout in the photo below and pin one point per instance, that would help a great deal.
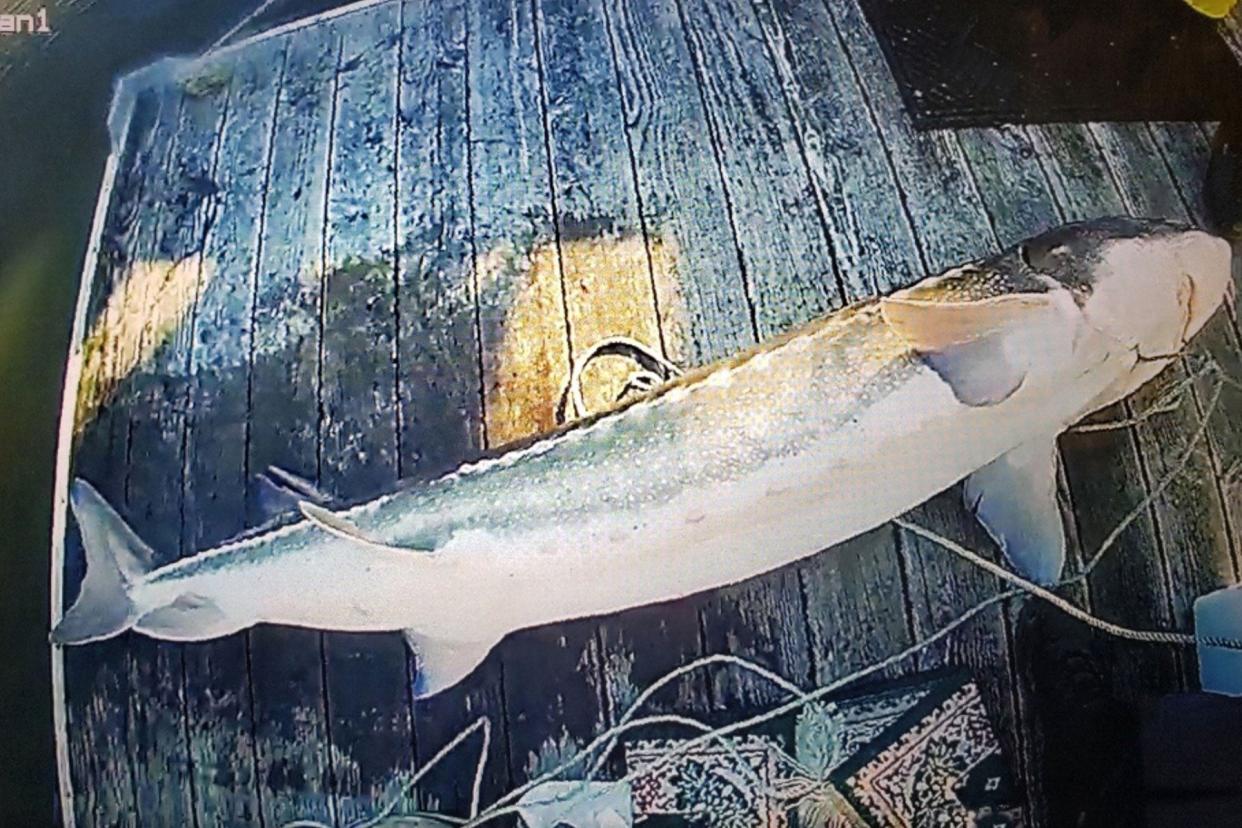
(1208, 263)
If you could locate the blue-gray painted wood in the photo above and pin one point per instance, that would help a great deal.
(214, 481)
(438, 365)
(154, 503)
(367, 676)
(685, 212)
(292, 749)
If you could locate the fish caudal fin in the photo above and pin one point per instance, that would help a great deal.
(439, 664)
(115, 559)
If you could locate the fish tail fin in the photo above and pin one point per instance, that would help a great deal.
(116, 558)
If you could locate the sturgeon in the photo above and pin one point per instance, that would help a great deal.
(723, 474)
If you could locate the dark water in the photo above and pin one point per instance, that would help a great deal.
(54, 97)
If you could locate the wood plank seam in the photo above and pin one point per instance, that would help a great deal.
(718, 154)
(551, 165)
(334, 784)
(247, 471)
(638, 194)
(472, 217)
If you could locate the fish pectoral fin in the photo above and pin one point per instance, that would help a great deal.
(979, 372)
(1015, 498)
(190, 617)
(279, 492)
(933, 323)
(964, 342)
(440, 663)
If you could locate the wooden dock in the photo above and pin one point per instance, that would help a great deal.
(366, 248)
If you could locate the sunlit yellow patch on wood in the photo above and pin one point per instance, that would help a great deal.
(601, 287)
(525, 350)
(608, 292)
(145, 308)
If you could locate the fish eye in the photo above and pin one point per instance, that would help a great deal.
(1038, 256)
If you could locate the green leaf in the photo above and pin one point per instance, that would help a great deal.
(817, 738)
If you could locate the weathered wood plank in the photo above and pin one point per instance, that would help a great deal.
(1106, 482)
(701, 291)
(96, 678)
(291, 734)
(366, 675)
(875, 252)
(521, 309)
(214, 483)
(158, 726)
(437, 346)
(791, 277)
(943, 206)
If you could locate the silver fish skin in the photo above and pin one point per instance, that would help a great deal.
(726, 473)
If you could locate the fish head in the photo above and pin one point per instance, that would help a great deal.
(1145, 286)
(1087, 312)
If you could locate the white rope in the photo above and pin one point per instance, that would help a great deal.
(1154, 636)
(656, 369)
(1166, 403)
(245, 21)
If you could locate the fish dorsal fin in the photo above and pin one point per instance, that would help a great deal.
(441, 663)
(334, 524)
(1015, 498)
(965, 341)
(278, 493)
